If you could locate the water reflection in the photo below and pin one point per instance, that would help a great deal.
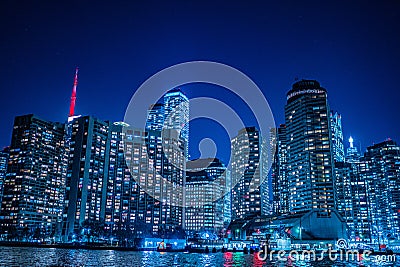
(70, 257)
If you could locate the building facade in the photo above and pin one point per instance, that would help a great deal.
(337, 137)
(250, 194)
(34, 185)
(87, 174)
(380, 168)
(279, 176)
(155, 117)
(309, 149)
(3, 170)
(205, 187)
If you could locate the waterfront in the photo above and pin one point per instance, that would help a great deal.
(24, 256)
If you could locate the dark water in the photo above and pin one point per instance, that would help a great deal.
(10, 256)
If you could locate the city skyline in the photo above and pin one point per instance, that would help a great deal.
(351, 50)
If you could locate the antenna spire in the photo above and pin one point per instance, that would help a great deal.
(73, 96)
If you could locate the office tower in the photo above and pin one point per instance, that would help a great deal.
(228, 199)
(250, 194)
(337, 137)
(380, 168)
(87, 173)
(34, 186)
(205, 187)
(176, 114)
(309, 149)
(3, 170)
(165, 182)
(352, 153)
(155, 117)
(123, 192)
(280, 187)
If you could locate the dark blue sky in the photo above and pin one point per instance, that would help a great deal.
(351, 47)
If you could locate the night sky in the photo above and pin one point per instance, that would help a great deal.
(350, 47)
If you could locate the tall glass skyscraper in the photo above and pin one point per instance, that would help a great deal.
(3, 170)
(337, 137)
(309, 149)
(279, 175)
(155, 117)
(176, 114)
(87, 173)
(34, 186)
(380, 168)
(205, 183)
(250, 194)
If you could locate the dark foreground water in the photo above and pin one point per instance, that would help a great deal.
(10, 256)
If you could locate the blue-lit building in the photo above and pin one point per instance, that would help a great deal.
(87, 173)
(279, 175)
(34, 185)
(205, 188)
(250, 193)
(3, 170)
(310, 164)
(155, 117)
(176, 114)
(337, 137)
(380, 169)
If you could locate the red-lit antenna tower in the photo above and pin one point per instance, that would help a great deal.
(73, 96)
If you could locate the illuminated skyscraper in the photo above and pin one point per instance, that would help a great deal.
(352, 154)
(250, 195)
(34, 186)
(380, 168)
(155, 117)
(280, 187)
(309, 149)
(337, 137)
(3, 170)
(205, 184)
(123, 192)
(87, 173)
(176, 114)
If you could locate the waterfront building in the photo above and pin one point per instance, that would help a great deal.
(250, 194)
(279, 176)
(205, 187)
(309, 149)
(87, 174)
(380, 168)
(3, 170)
(34, 185)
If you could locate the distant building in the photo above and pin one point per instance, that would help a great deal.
(205, 187)
(228, 199)
(337, 137)
(279, 175)
(309, 149)
(176, 114)
(155, 117)
(352, 153)
(34, 186)
(87, 173)
(380, 168)
(250, 194)
(3, 170)
(352, 196)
